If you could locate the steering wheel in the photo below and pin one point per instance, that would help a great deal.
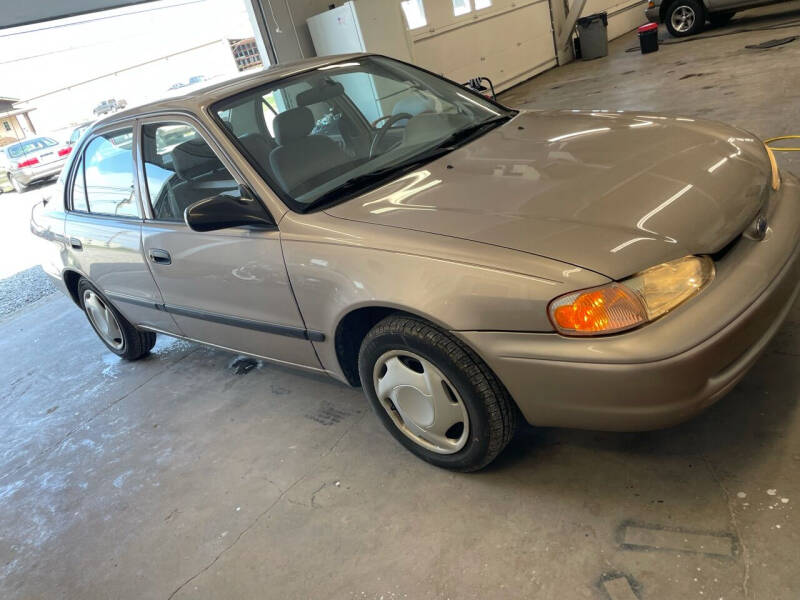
(389, 120)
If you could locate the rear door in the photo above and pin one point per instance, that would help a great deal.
(104, 223)
(228, 288)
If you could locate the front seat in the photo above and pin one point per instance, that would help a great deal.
(301, 156)
(200, 173)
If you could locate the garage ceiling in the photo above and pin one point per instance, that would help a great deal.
(14, 13)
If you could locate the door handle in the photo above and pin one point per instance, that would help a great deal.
(75, 243)
(160, 257)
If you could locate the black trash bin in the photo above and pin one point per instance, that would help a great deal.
(593, 35)
(648, 37)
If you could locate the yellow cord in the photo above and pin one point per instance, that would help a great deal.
(783, 137)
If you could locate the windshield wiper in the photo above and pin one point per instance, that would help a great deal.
(360, 183)
(471, 131)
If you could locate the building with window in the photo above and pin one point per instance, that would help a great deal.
(15, 123)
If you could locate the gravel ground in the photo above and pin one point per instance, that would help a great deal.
(22, 289)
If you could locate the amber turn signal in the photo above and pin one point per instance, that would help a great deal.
(602, 310)
(646, 296)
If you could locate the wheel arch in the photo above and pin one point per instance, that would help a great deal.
(71, 278)
(354, 325)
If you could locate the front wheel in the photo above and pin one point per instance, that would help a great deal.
(114, 330)
(434, 395)
(685, 17)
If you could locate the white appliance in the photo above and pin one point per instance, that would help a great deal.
(361, 26)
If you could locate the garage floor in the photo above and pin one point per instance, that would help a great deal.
(177, 477)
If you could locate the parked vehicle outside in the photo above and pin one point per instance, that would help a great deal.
(687, 17)
(467, 264)
(33, 159)
(105, 107)
(76, 133)
(5, 182)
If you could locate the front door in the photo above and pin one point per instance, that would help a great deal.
(227, 288)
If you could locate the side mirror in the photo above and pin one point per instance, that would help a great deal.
(223, 212)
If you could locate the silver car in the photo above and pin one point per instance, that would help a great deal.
(33, 159)
(687, 17)
(467, 264)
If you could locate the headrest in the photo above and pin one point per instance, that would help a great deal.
(194, 158)
(292, 125)
(258, 146)
(324, 91)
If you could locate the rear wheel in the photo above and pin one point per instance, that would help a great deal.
(685, 17)
(434, 395)
(18, 186)
(114, 330)
(719, 19)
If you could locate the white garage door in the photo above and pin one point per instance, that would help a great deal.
(507, 41)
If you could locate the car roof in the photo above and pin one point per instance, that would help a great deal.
(195, 100)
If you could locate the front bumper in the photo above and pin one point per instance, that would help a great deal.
(653, 14)
(670, 370)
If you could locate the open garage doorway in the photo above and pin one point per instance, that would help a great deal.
(58, 76)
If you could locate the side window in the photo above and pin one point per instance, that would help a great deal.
(181, 169)
(108, 171)
(79, 190)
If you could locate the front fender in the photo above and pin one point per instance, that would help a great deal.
(456, 284)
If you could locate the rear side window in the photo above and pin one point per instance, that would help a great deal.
(108, 175)
(79, 190)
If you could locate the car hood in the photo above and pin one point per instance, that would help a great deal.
(611, 192)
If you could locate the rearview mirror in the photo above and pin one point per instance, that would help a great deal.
(223, 212)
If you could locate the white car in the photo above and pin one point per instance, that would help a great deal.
(33, 159)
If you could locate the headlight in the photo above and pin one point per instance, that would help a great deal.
(629, 303)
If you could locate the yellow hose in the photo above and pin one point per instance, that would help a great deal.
(782, 148)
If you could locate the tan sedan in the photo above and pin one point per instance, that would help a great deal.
(467, 264)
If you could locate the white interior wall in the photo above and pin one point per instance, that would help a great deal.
(508, 42)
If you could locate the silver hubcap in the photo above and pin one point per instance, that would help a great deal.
(104, 321)
(420, 400)
(683, 18)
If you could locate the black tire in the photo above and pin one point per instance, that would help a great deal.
(720, 19)
(491, 411)
(19, 187)
(135, 343)
(685, 7)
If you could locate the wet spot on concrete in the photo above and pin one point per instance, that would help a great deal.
(328, 414)
(279, 390)
(243, 365)
(649, 537)
(631, 72)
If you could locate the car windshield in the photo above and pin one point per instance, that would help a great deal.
(337, 131)
(29, 146)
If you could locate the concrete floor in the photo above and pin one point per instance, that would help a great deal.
(174, 477)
